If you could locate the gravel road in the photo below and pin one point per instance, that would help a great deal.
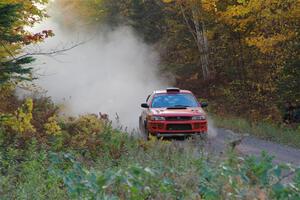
(253, 146)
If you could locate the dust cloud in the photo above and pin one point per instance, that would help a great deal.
(112, 72)
(212, 130)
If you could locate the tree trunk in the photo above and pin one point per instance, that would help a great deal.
(201, 41)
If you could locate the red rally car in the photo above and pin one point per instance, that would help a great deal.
(173, 112)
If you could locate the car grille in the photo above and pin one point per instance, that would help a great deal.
(179, 127)
(179, 118)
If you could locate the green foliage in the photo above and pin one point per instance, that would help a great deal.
(147, 19)
(14, 17)
(24, 174)
(124, 167)
(84, 157)
(9, 69)
(14, 70)
(133, 182)
(235, 177)
(9, 15)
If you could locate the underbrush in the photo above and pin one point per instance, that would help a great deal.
(277, 133)
(131, 168)
(44, 155)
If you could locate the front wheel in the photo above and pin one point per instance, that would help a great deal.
(147, 134)
(143, 129)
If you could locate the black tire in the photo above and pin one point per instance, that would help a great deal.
(143, 129)
(146, 132)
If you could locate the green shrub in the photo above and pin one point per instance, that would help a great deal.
(152, 169)
(25, 175)
(175, 176)
(133, 182)
(86, 158)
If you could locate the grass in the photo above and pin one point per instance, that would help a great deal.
(84, 157)
(276, 133)
(130, 168)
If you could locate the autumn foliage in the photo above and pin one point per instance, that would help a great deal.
(15, 18)
(242, 55)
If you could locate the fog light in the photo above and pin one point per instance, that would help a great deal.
(157, 126)
(199, 117)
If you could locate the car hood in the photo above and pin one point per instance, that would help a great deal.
(176, 112)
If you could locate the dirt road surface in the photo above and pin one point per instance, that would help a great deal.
(253, 146)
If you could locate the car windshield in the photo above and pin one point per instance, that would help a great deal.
(174, 101)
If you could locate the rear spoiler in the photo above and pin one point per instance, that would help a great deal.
(173, 90)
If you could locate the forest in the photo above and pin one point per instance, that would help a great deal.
(242, 56)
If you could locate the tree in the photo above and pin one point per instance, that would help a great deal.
(267, 32)
(145, 17)
(193, 13)
(241, 54)
(14, 17)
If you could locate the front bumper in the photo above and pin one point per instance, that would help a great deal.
(177, 128)
(178, 134)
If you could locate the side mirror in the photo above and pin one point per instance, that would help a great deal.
(204, 104)
(144, 105)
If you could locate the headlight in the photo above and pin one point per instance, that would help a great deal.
(199, 117)
(157, 118)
